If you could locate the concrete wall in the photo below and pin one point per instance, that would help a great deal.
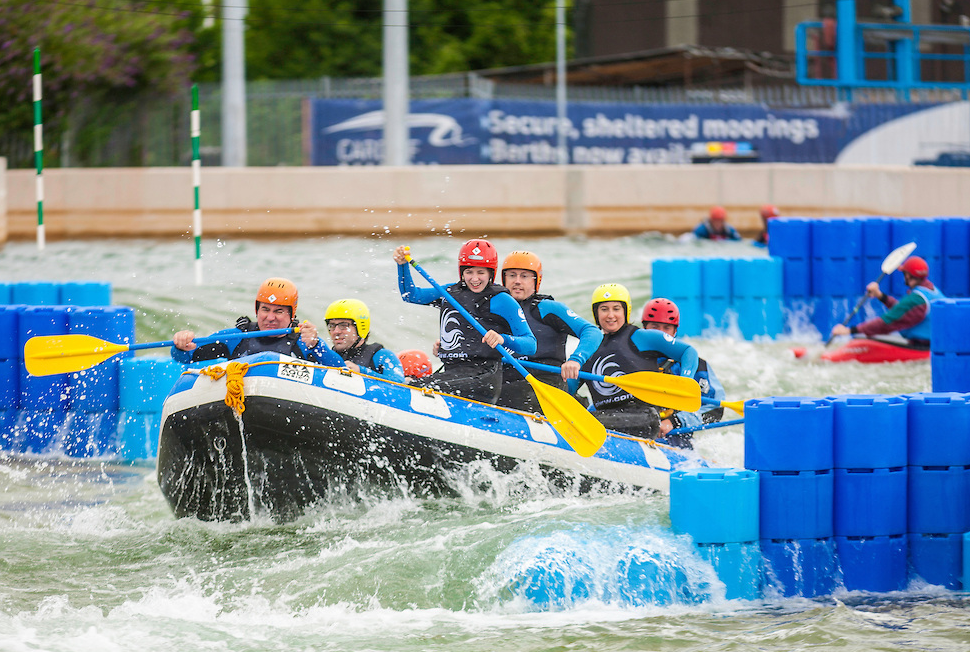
(593, 200)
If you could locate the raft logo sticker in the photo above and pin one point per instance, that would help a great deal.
(297, 372)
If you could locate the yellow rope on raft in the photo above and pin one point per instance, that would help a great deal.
(234, 373)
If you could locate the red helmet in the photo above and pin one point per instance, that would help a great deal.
(662, 311)
(915, 266)
(718, 213)
(416, 363)
(478, 253)
(768, 211)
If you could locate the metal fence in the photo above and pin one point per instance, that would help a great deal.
(155, 131)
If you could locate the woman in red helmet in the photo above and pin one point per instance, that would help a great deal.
(276, 302)
(664, 315)
(471, 368)
(910, 316)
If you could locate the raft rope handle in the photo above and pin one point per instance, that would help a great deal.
(234, 373)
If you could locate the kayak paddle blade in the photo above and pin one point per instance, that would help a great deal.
(576, 424)
(63, 354)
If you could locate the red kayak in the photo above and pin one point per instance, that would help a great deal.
(871, 351)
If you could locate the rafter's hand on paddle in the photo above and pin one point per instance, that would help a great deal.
(183, 340)
(569, 370)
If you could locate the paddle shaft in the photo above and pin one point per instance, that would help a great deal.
(215, 338)
(707, 426)
(858, 306)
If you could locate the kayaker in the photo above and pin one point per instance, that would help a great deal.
(471, 367)
(348, 323)
(627, 349)
(664, 315)
(552, 322)
(716, 226)
(276, 302)
(768, 212)
(909, 316)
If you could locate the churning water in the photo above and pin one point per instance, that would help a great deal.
(91, 558)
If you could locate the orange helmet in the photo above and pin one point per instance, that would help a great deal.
(416, 363)
(279, 292)
(662, 311)
(768, 211)
(915, 266)
(718, 213)
(523, 260)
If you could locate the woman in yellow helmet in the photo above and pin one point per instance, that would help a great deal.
(348, 322)
(627, 349)
(276, 302)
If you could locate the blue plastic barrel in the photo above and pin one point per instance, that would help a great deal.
(870, 502)
(96, 389)
(762, 317)
(876, 245)
(805, 567)
(138, 435)
(145, 382)
(939, 499)
(937, 558)
(679, 279)
(715, 505)
(966, 561)
(955, 274)
(42, 392)
(788, 433)
(35, 293)
(10, 347)
(91, 434)
(837, 237)
(796, 504)
(790, 237)
(716, 292)
(756, 278)
(738, 566)
(869, 431)
(928, 236)
(949, 326)
(877, 564)
(9, 384)
(42, 430)
(5, 294)
(930, 417)
(797, 278)
(85, 294)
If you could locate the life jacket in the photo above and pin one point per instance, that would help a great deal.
(550, 343)
(287, 345)
(922, 330)
(361, 355)
(460, 341)
(617, 356)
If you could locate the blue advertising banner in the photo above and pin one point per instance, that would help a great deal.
(472, 131)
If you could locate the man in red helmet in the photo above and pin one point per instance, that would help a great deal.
(276, 302)
(910, 316)
(472, 367)
(664, 315)
(716, 227)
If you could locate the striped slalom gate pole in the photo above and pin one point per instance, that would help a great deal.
(39, 150)
(196, 181)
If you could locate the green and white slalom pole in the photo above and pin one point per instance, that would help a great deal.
(39, 150)
(196, 182)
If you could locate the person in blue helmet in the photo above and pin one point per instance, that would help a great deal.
(716, 227)
(348, 323)
(627, 349)
(471, 365)
(276, 302)
(552, 323)
(909, 316)
(664, 315)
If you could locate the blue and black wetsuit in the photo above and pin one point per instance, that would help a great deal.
(471, 368)
(710, 388)
(552, 322)
(375, 360)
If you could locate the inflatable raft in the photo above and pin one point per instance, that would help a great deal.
(867, 350)
(300, 431)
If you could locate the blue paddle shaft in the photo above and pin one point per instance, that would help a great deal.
(214, 338)
(468, 317)
(706, 426)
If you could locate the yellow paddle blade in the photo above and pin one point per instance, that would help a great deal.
(676, 392)
(63, 354)
(576, 424)
(737, 406)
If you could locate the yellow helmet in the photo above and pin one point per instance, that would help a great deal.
(352, 309)
(612, 292)
(523, 260)
(278, 292)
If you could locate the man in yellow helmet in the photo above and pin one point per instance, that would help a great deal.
(276, 303)
(348, 322)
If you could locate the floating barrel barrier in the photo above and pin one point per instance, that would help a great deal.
(85, 294)
(928, 236)
(757, 287)
(950, 346)
(555, 579)
(716, 298)
(91, 434)
(10, 348)
(679, 279)
(939, 499)
(803, 567)
(788, 434)
(869, 431)
(955, 273)
(876, 244)
(96, 389)
(877, 563)
(797, 504)
(738, 566)
(966, 561)
(715, 505)
(143, 385)
(42, 392)
(5, 293)
(870, 502)
(837, 258)
(939, 429)
(35, 293)
(937, 558)
(651, 575)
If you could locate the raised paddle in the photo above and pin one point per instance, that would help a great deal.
(576, 424)
(63, 354)
(889, 265)
(676, 392)
(707, 426)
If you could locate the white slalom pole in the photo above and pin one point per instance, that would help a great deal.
(196, 132)
(39, 151)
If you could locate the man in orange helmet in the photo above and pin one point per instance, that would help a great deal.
(716, 227)
(276, 303)
(910, 316)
